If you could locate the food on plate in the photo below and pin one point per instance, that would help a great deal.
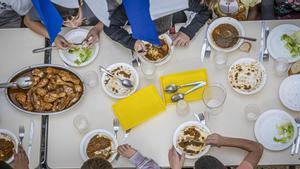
(114, 85)
(156, 53)
(52, 90)
(285, 132)
(191, 140)
(292, 43)
(245, 47)
(295, 68)
(246, 77)
(225, 35)
(100, 146)
(6, 148)
(83, 54)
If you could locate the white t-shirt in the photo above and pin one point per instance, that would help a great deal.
(19, 6)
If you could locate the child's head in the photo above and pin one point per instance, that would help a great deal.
(96, 163)
(208, 162)
(73, 17)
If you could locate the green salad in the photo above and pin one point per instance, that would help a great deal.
(286, 133)
(292, 43)
(83, 54)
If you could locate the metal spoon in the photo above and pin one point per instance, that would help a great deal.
(180, 96)
(23, 82)
(172, 88)
(228, 34)
(125, 82)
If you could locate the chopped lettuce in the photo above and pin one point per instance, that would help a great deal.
(292, 43)
(286, 133)
(83, 54)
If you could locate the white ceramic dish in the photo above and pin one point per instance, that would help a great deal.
(110, 93)
(86, 139)
(265, 129)
(263, 80)
(275, 45)
(77, 36)
(289, 92)
(11, 136)
(187, 124)
(166, 58)
(225, 20)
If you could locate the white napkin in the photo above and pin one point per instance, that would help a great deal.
(160, 8)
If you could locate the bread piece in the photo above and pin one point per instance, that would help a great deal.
(295, 68)
(245, 47)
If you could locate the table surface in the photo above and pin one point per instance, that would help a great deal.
(154, 137)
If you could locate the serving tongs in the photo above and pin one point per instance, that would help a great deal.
(23, 83)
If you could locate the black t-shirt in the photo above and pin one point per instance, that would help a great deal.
(3, 165)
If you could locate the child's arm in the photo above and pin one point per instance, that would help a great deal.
(36, 26)
(116, 31)
(254, 149)
(253, 11)
(200, 15)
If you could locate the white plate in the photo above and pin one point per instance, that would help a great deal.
(86, 139)
(77, 36)
(289, 92)
(264, 76)
(187, 124)
(265, 129)
(8, 134)
(134, 72)
(225, 20)
(276, 46)
(166, 58)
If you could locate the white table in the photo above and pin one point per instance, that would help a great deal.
(16, 46)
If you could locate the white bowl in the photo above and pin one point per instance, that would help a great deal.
(187, 124)
(86, 139)
(8, 134)
(77, 36)
(225, 20)
(167, 57)
(136, 84)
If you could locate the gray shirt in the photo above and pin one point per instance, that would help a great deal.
(11, 11)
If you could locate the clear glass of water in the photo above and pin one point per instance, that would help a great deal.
(220, 60)
(252, 112)
(281, 66)
(148, 69)
(91, 79)
(214, 96)
(81, 123)
(182, 107)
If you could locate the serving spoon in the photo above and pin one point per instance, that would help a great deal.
(228, 34)
(180, 96)
(125, 82)
(23, 82)
(172, 88)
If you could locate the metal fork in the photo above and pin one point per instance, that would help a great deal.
(116, 126)
(266, 55)
(200, 117)
(135, 62)
(296, 143)
(207, 51)
(21, 134)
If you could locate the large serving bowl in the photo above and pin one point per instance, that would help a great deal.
(10, 93)
(225, 20)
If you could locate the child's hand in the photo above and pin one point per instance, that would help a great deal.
(176, 161)
(215, 140)
(139, 46)
(126, 151)
(61, 42)
(92, 37)
(21, 159)
(181, 39)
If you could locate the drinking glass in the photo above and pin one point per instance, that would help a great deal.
(148, 69)
(91, 79)
(182, 107)
(252, 112)
(81, 123)
(220, 60)
(214, 96)
(281, 66)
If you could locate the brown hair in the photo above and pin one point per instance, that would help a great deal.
(208, 162)
(96, 163)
